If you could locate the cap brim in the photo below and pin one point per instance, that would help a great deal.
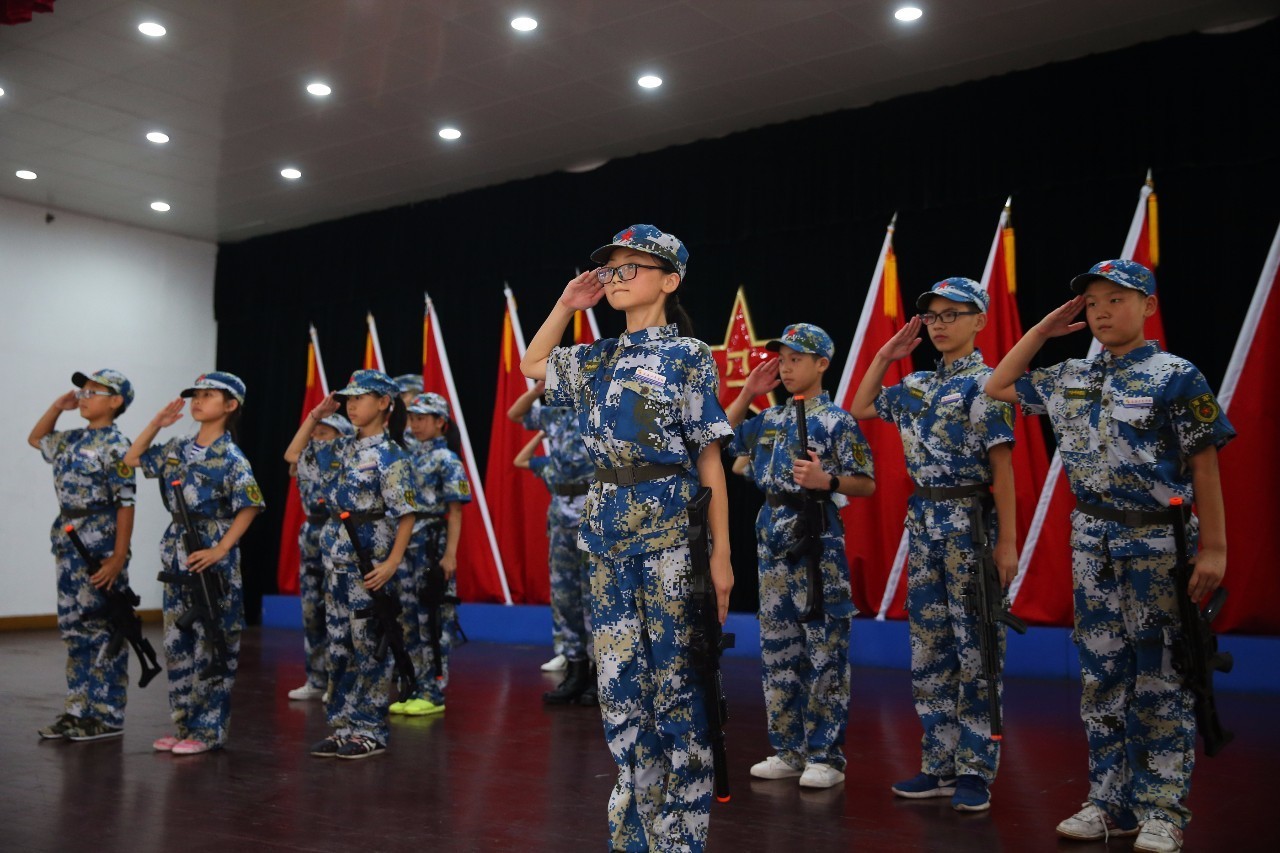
(1080, 282)
(922, 301)
(79, 379)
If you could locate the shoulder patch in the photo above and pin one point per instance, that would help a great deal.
(253, 493)
(859, 455)
(410, 497)
(1008, 415)
(1205, 408)
(464, 488)
(123, 471)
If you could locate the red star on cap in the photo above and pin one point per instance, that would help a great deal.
(200, 378)
(1105, 268)
(627, 234)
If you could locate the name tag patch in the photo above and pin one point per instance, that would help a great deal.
(1137, 402)
(650, 377)
(951, 398)
(367, 466)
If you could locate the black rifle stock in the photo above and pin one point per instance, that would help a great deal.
(384, 609)
(985, 597)
(122, 619)
(1196, 656)
(707, 640)
(208, 585)
(434, 595)
(813, 523)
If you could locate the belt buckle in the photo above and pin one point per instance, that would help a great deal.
(626, 476)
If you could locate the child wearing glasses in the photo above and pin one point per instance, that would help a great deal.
(958, 444)
(222, 499)
(95, 490)
(1136, 428)
(805, 657)
(647, 410)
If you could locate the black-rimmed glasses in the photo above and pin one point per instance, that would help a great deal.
(945, 317)
(626, 272)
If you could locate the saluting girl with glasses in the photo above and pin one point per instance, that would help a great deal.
(649, 415)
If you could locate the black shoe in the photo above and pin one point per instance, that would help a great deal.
(590, 697)
(575, 681)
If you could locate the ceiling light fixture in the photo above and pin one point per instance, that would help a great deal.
(908, 14)
(320, 90)
(151, 28)
(290, 173)
(650, 81)
(157, 137)
(450, 133)
(160, 206)
(524, 24)
(26, 174)
(1, 93)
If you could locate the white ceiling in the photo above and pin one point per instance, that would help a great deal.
(82, 87)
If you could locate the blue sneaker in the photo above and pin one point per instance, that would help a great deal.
(925, 785)
(971, 795)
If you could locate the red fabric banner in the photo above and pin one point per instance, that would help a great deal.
(294, 514)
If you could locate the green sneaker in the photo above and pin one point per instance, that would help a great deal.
(93, 729)
(422, 708)
(398, 707)
(59, 727)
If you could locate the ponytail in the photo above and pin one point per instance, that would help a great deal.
(232, 420)
(676, 314)
(397, 420)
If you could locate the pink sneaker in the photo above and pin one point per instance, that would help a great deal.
(165, 744)
(190, 747)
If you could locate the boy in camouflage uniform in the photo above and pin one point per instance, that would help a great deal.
(1136, 427)
(806, 664)
(567, 472)
(958, 444)
(95, 490)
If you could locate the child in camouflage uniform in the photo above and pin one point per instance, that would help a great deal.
(95, 489)
(223, 499)
(1136, 427)
(806, 664)
(958, 444)
(647, 409)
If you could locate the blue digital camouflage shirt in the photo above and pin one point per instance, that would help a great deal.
(441, 478)
(89, 472)
(375, 475)
(1126, 426)
(566, 463)
(647, 398)
(318, 468)
(948, 426)
(217, 481)
(772, 442)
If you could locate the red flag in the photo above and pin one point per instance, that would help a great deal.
(740, 354)
(294, 513)
(1041, 593)
(517, 502)
(873, 526)
(481, 576)
(372, 347)
(1250, 465)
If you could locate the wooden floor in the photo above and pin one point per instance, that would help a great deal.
(500, 772)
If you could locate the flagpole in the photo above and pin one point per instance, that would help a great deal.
(515, 326)
(1249, 329)
(464, 435)
(377, 345)
(995, 244)
(315, 347)
(868, 305)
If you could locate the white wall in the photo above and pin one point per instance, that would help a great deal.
(83, 294)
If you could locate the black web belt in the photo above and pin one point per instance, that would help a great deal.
(570, 490)
(1135, 517)
(946, 493)
(637, 474)
(84, 511)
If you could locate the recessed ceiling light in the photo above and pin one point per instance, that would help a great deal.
(159, 206)
(908, 13)
(26, 174)
(290, 173)
(151, 28)
(157, 137)
(1, 93)
(450, 133)
(650, 81)
(524, 24)
(319, 89)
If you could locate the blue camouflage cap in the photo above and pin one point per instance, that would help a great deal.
(112, 379)
(1129, 274)
(651, 240)
(370, 382)
(429, 404)
(341, 424)
(217, 380)
(410, 382)
(804, 337)
(956, 289)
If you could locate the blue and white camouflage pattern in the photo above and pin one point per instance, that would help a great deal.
(107, 378)
(948, 426)
(318, 467)
(89, 473)
(805, 665)
(217, 380)
(806, 338)
(1126, 426)
(957, 289)
(650, 240)
(1125, 273)
(646, 398)
(217, 483)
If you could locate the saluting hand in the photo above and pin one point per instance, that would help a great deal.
(583, 292)
(808, 472)
(66, 402)
(762, 380)
(326, 407)
(1058, 321)
(170, 414)
(903, 342)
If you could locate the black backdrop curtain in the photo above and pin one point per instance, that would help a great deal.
(795, 213)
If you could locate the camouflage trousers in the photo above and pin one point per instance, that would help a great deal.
(805, 665)
(430, 546)
(1139, 720)
(311, 588)
(96, 684)
(946, 664)
(359, 685)
(570, 593)
(654, 720)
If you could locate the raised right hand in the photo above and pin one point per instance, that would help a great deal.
(327, 407)
(583, 292)
(1058, 321)
(170, 414)
(66, 402)
(903, 343)
(762, 380)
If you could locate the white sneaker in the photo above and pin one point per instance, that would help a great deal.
(774, 767)
(556, 664)
(306, 691)
(820, 776)
(1092, 824)
(1159, 836)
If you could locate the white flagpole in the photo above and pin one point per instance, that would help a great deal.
(868, 305)
(377, 345)
(315, 346)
